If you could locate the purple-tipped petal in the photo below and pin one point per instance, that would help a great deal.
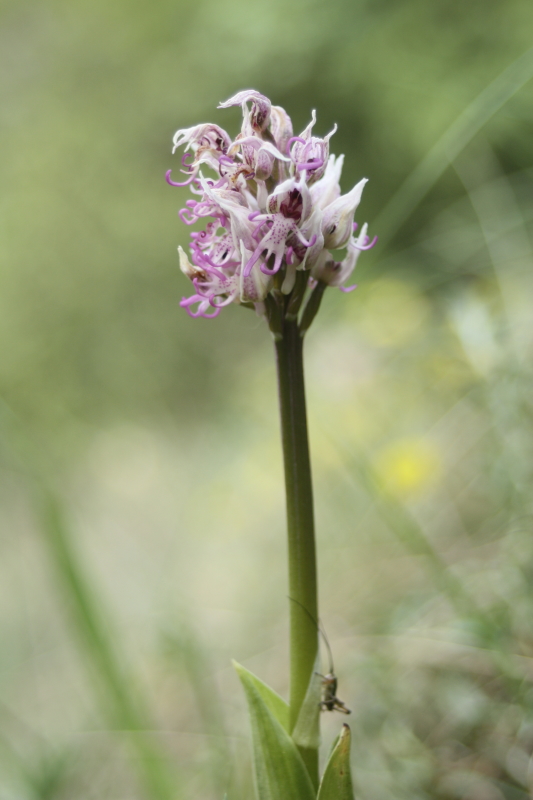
(254, 258)
(288, 256)
(316, 163)
(295, 139)
(367, 246)
(304, 241)
(276, 268)
(174, 183)
(181, 214)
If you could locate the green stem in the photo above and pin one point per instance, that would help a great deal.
(300, 522)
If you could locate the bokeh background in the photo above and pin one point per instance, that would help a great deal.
(142, 538)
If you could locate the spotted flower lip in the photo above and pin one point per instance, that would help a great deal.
(264, 207)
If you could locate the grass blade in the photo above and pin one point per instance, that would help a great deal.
(123, 707)
(447, 148)
(187, 651)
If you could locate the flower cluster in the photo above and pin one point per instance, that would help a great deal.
(274, 207)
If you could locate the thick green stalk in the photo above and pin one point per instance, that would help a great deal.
(300, 522)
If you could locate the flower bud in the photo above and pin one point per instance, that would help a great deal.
(203, 139)
(189, 270)
(327, 189)
(280, 127)
(258, 118)
(334, 273)
(337, 220)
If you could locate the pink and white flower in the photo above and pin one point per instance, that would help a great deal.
(273, 208)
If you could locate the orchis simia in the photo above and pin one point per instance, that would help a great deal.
(272, 213)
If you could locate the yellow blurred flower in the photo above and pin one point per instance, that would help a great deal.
(408, 466)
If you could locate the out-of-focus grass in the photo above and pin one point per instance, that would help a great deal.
(162, 432)
(452, 143)
(122, 706)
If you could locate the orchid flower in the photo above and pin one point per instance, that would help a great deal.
(272, 208)
(265, 227)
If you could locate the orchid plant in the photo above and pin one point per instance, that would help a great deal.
(273, 218)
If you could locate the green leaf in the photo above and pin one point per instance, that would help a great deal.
(336, 782)
(306, 732)
(280, 772)
(275, 704)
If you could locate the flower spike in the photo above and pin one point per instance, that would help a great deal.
(271, 209)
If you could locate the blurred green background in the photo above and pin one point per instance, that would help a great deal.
(160, 434)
